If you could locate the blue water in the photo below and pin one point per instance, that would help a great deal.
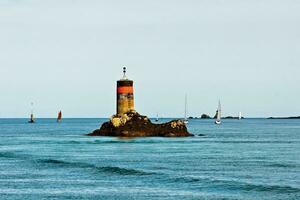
(247, 159)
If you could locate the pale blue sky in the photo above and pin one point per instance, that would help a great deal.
(67, 54)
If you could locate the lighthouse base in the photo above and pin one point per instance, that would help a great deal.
(133, 124)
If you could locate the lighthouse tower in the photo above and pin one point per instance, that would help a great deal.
(125, 100)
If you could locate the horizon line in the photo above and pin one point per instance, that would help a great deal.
(148, 117)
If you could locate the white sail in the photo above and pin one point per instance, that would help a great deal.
(219, 112)
(31, 120)
(240, 115)
(185, 111)
(31, 108)
(218, 120)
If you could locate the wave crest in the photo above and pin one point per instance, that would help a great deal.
(239, 185)
(102, 169)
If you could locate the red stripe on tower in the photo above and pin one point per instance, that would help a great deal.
(125, 90)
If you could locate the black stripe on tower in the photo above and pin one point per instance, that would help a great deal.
(124, 83)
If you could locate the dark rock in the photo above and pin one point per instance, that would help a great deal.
(133, 124)
(297, 117)
(205, 116)
(231, 117)
(193, 117)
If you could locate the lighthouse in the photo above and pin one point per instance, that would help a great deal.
(129, 123)
(125, 100)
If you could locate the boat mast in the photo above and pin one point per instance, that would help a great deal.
(185, 108)
(31, 114)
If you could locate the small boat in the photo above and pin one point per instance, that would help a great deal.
(156, 118)
(59, 117)
(31, 120)
(185, 120)
(218, 114)
(240, 115)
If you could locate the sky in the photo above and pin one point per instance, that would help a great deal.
(67, 55)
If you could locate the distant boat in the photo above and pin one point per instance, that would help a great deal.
(156, 118)
(186, 121)
(240, 115)
(59, 117)
(31, 120)
(218, 120)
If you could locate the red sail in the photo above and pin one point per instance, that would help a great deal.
(59, 116)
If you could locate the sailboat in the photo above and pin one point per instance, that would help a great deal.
(31, 120)
(59, 117)
(186, 121)
(240, 115)
(218, 120)
(156, 118)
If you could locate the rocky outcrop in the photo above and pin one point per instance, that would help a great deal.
(133, 124)
(231, 117)
(296, 117)
(205, 116)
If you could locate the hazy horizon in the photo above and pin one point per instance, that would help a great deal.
(68, 55)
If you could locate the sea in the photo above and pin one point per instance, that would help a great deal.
(250, 159)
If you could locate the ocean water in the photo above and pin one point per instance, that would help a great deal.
(248, 159)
